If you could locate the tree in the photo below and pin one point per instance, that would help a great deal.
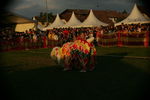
(124, 12)
(41, 14)
(43, 17)
(50, 17)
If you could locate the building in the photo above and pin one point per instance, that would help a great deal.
(15, 22)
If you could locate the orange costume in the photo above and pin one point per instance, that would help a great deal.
(81, 51)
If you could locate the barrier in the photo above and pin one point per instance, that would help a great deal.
(146, 40)
(124, 39)
(119, 39)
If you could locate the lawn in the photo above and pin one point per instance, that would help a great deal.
(32, 75)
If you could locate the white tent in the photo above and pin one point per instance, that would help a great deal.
(40, 27)
(92, 21)
(56, 24)
(135, 17)
(47, 27)
(24, 26)
(73, 21)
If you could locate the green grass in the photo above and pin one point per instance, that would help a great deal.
(129, 51)
(32, 75)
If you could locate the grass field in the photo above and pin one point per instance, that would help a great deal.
(120, 74)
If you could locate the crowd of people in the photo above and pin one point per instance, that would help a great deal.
(63, 35)
(71, 34)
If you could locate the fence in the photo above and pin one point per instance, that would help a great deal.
(124, 39)
(114, 39)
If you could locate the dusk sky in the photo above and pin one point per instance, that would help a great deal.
(30, 8)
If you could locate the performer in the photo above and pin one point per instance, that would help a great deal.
(81, 50)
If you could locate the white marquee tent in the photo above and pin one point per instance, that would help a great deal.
(24, 26)
(46, 27)
(92, 21)
(40, 27)
(56, 24)
(73, 21)
(135, 17)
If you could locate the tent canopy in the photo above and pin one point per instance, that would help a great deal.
(56, 24)
(135, 17)
(92, 21)
(24, 27)
(73, 21)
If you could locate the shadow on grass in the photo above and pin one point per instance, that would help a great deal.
(112, 79)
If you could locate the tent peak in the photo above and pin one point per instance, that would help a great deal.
(135, 17)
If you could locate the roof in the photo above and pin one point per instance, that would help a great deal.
(11, 18)
(144, 10)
